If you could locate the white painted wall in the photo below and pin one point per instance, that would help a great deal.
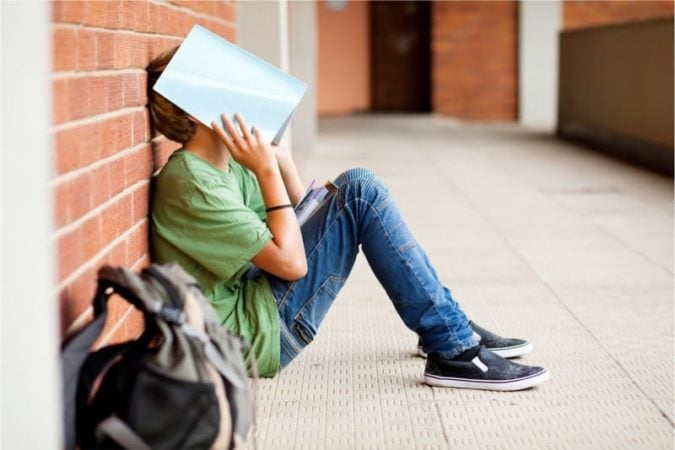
(263, 28)
(31, 382)
(540, 22)
(303, 36)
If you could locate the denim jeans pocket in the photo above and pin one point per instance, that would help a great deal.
(312, 313)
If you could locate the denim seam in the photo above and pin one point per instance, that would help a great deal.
(290, 339)
(386, 232)
(314, 294)
(283, 300)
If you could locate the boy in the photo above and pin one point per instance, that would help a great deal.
(226, 199)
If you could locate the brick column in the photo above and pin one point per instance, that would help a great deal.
(474, 59)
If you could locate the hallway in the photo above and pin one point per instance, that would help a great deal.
(537, 238)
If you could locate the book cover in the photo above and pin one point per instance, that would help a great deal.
(209, 76)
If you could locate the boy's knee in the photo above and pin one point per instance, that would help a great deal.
(363, 184)
(360, 176)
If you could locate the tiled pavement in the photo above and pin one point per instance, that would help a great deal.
(537, 238)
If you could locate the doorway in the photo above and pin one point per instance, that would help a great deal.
(400, 56)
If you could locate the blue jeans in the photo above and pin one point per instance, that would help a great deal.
(362, 212)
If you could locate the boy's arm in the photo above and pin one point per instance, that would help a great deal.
(283, 256)
(289, 173)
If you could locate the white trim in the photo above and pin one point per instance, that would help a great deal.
(31, 374)
(538, 27)
(480, 364)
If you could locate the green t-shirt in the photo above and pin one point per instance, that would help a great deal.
(213, 223)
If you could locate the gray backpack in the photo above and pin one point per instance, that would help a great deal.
(182, 384)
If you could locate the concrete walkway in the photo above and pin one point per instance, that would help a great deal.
(536, 238)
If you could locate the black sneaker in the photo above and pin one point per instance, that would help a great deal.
(485, 371)
(504, 347)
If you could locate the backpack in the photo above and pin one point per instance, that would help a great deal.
(181, 384)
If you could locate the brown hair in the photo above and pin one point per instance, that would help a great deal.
(166, 117)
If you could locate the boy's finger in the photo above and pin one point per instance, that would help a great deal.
(223, 136)
(236, 139)
(243, 126)
(258, 135)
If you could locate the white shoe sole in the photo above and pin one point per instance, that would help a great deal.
(488, 385)
(506, 352)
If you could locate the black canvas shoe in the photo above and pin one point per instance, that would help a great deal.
(485, 371)
(504, 347)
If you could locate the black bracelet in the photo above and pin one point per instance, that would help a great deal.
(274, 208)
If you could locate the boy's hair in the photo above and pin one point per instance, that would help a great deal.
(167, 118)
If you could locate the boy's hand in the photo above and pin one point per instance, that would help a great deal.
(250, 150)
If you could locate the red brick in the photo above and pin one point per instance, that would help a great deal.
(138, 165)
(118, 255)
(154, 16)
(142, 16)
(128, 14)
(139, 56)
(69, 253)
(137, 244)
(79, 196)
(87, 50)
(104, 13)
(133, 325)
(61, 216)
(66, 150)
(65, 49)
(69, 11)
(184, 23)
(115, 94)
(60, 110)
(134, 89)
(56, 10)
(124, 212)
(162, 25)
(141, 202)
(100, 185)
(117, 181)
(98, 91)
(78, 97)
(110, 229)
(90, 237)
(117, 307)
(81, 293)
(106, 50)
(226, 11)
(122, 44)
(123, 130)
(205, 7)
(77, 147)
(140, 127)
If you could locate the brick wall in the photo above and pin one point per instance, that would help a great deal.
(474, 59)
(582, 14)
(104, 153)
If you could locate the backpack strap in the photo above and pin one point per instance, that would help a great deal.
(73, 355)
(118, 431)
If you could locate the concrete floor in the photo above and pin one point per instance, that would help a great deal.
(537, 238)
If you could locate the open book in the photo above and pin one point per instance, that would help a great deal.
(313, 199)
(209, 76)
